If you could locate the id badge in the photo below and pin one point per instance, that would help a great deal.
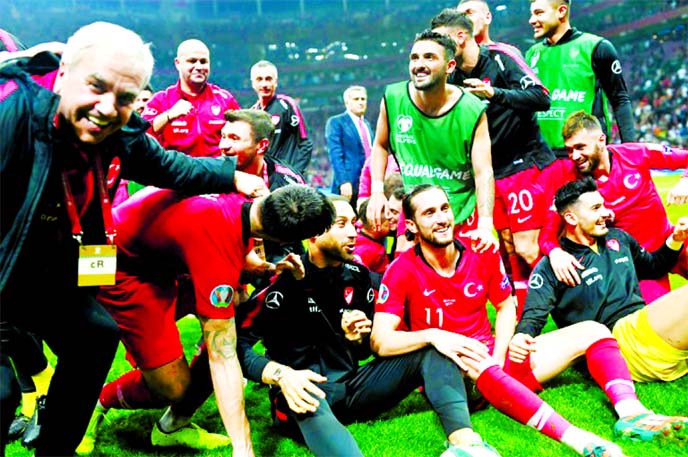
(97, 265)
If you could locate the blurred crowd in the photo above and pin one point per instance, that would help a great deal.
(320, 51)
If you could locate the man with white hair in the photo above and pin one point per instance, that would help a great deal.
(349, 142)
(63, 126)
(290, 144)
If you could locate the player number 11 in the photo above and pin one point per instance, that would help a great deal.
(440, 316)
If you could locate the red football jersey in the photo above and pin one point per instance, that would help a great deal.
(415, 292)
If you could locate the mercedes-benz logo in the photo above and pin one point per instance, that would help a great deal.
(536, 281)
(274, 300)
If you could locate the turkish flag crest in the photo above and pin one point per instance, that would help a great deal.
(348, 294)
(613, 244)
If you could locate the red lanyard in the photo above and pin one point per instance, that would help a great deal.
(105, 203)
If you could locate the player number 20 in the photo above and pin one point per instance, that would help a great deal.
(523, 201)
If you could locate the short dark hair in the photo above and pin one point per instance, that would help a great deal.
(393, 181)
(439, 38)
(260, 122)
(362, 212)
(451, 17)
(407, 203)
(296, 212)
(570, 192)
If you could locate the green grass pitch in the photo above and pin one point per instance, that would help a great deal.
(410, 429)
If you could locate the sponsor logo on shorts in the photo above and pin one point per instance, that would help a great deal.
(521, 220)
(371, 295)
(221, 296)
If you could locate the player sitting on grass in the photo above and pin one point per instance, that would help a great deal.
(436, 294)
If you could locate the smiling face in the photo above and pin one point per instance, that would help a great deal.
(337, 244)
(238, 141)
(589, 215)
(193, 64)
(393, 211)
(586, 149)
(546, 17)
(428, 67)
(433, 220)
(97, 93)
(143, 98)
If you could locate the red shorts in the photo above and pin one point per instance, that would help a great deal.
(523, 373)
(145, 314)
(521, 201)
(556, 175)
(471, 223)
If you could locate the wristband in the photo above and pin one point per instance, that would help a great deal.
(377, 187)
(485, 222)
(673, 244)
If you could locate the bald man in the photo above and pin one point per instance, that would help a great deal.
(189, 115)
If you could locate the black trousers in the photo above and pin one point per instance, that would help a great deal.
(26, 352)
(82, 335)
(375, 388)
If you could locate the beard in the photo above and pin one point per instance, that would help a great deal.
(593, 161)
(430, 83)
(437, 241)
(337, 253)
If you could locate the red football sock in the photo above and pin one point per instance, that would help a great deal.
(518, 402)
(129, 391)
(608, 368)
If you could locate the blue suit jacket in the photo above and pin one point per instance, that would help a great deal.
(345, 149)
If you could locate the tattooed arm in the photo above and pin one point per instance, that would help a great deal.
(220, 337)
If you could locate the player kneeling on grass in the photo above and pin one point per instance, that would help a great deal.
(160, 235)
(436, 294)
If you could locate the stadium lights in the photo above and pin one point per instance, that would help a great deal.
(500, 7)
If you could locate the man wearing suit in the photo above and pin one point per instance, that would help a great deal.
(349, 140)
